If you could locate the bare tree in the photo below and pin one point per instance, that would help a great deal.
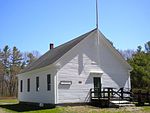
(30, 57)
(127, 54)
(11, 63)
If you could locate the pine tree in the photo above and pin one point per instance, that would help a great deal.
(15, 68)
(5, 55)
(11, 63)
(140, 75)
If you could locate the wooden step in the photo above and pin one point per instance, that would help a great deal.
(122, 103)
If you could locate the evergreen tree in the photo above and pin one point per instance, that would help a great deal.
(11, 63)
(147, 47)
(140, 75)
(31, 58)
(5, 56)
(15, 68)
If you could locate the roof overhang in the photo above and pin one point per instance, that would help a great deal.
(96, 72)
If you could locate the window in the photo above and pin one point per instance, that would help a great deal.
(37, 83)
(28, 84)
(21, 85)
(48, 82)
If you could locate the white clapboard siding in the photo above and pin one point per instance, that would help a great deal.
(76, 65)
(42, 96)
(116, 72)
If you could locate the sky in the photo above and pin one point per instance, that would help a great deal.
(34, 24)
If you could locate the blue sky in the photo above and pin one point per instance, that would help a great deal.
(33, 24)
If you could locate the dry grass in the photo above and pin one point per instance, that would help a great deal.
(90, 109)
(13, 107)
(2, 111)
(85, 109)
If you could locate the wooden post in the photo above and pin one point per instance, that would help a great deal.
(104, 93)
(131, 95)
(108, 96)
(90, 95)
(98, 91)
(121, 93)
(112, 92)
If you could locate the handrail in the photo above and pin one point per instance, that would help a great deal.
(109, 93)
(120, 94)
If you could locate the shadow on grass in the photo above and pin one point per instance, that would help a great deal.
(25, 107)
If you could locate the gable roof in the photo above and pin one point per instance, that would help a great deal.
(115, 51)
(54, 54)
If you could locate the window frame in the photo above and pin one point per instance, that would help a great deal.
(28, 85)
(21, 85)
(37, 83)
(48, 82)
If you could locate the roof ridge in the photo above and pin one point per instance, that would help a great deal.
(75, 38)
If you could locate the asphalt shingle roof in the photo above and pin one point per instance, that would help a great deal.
(54, 54)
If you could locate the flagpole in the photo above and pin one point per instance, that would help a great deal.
(97, 14)
(98, 38)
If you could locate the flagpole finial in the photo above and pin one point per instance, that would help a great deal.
(97, 14)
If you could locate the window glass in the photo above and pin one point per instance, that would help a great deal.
(28, 84)
(21, 85)
(37, 83)
(48, 82)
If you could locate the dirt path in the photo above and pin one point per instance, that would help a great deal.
(2, 111)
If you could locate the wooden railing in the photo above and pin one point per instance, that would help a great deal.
(141, 97)
(110, 94)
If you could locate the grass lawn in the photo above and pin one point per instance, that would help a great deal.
(8, 101)
(12, 106)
